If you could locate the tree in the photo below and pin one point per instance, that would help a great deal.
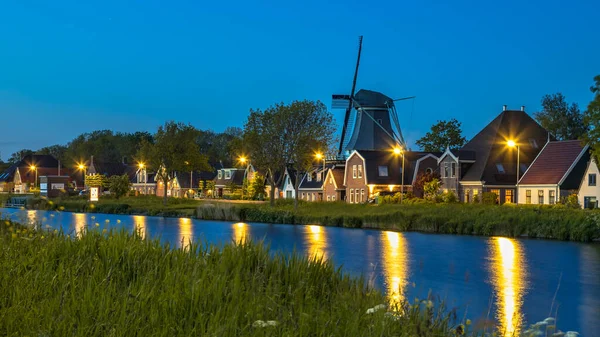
(265, 141)
(57, 151)
(443, 134)
(592, 121)
(562, 120)
(256, 187)
(431, 189)
(17, 156)
(119, 185)
(210, 186)
(174, 149)
(308, 129)
(422, 179)
(95, 180)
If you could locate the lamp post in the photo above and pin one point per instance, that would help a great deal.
(82, 169)
(243, 161)
(397, 151)
(320, 156)
(35, 169)
(145, 177)
(512, 143)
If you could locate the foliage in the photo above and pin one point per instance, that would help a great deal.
(256, 187)
(210, 186)
(137, 287)
(57, 151)
(431, 189)
(449, 197)
(264, 138)
(592, 121)
(443, 134)
(572, 201)
(421, 180)
(489, 198)
(17, 156)
(106, 146)
(174, 149)
(232, 187)
(96, 180)
(562, 120)
(119, 185)
(221, 147)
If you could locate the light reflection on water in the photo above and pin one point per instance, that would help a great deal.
(317, 242)
(139, 223)
(80, 223)
(508, 274)
(395, 265)
(186, 235)
(239, 232)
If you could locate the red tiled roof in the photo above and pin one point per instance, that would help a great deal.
(552, 163)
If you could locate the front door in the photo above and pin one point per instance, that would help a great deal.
(288, 194)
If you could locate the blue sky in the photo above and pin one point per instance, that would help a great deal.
(68, 67)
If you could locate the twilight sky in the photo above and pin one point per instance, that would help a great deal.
(68, 67)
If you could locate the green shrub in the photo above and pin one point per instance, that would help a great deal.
(489, 198)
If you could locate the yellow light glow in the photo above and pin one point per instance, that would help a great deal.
(185, 233)
(81, 167)
(141, 165)
(391, 187)
(511, 143)
(395, 266)
(319, 156)
(243, 159)
(508, 279)
(397, 150)
(80, 224)
(140, 225)
(240, 230)
(32, 167)
(371, 188)
(317, 242)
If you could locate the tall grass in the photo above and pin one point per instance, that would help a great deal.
(117, 284)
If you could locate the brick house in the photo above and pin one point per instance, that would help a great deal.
(334, 189)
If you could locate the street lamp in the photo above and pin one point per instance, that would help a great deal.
(82, 168)
(143, 171)
(513, 144)
(243, 161)
(35, 169)
(397, 151)
(320, 156)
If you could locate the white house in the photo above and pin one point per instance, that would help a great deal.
(288, 190)
(589, 190)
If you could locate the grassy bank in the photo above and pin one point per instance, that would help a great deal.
(510, 220)
(116, 284)
(549, 222)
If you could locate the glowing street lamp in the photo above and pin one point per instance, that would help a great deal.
(243, 161)
(143, 171)
(399, 151)
(320, 156)
(81, 167)
(32, 167)
(513, 144)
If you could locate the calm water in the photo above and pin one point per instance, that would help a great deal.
(511, 279)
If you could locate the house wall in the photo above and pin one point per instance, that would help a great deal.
(288, 188)
(330, 193)
(427, 163)
(468, 193)
(502, 192)
(585, 190)
(534, 190)
(310, 195)
(449, 182)
(356, 184)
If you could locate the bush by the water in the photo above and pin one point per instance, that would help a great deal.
(117, 284)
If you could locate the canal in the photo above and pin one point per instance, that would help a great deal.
(501, 279)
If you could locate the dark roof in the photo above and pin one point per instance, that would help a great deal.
(114, 169)
(237, 177)
(184, 178)
(9, 174)
(314, 183)
(39, 160)
(338, 176)
(489, 147)
(553, 162)
(374, 159)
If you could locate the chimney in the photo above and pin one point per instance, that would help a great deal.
(504, 107)
(59, 167)
(92, 161)
(522, 108)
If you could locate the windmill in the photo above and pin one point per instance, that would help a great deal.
(371, 121)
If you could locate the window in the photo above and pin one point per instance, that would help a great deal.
(552, 197)
(541, 197)
(475, 195)
(590, 202)
(429, 170)
(351, 195)
(220, 174)
(528, 197)
(446, 172)
(362, 195)
(467, 196)
(500, 168)
(303, 197)
(333, 198)
(360, 171)
(592, 179)
(328, 198)
(356, 195)
(533, 143)
(453, 170)
(497, 193)
(289, 181)
(383, 171)
(380, 121)
(309, 177)
(354, 171)
(331, 180)
(508, 196)
(227, 174)
(319, 176)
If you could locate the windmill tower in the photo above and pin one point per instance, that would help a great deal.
(371, 121)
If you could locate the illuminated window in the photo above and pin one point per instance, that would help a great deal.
(541, 197)
(360, 171)
(508, 196)
(227, 174)
(351, 195)
(328, 198)
(333, 198)
(467, 196)
(528, 197)
(362, 195)
(354, 171)
(497, 193)
(220, 174)
(309, 176)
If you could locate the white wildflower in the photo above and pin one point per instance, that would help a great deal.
(375, 308)
(549, 320)
(263, 324)
(571, 334)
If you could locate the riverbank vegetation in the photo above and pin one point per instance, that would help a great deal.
(117, 284)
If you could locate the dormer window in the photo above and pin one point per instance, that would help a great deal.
(227, 174)
(309, 177)
(383, 171)
(220, 175)
(500, 168)
(318, 176)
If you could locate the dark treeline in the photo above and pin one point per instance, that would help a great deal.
(110, 147)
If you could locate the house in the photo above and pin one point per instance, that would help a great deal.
(589, 190)
(228, 179)
(288, 189)
(143, 182)
(25, 175)
(556, 172)
(368, 173)
(488, 164)
(334, 189)
(278, 176)
(311, 184)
